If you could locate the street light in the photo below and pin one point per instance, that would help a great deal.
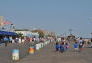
(91, 34)
(70, 30)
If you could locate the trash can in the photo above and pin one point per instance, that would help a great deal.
(37, 46)
(31, 50)
(15, 54)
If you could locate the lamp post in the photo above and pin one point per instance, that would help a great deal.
(70, 30)
(91, 34)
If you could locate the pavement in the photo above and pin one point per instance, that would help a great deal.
(49, 55)
(6, 52)
(44, 55)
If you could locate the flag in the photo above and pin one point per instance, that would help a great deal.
(6, 22)
(1, 21)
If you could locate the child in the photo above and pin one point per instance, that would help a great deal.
(76, 46)
(57, 46)
(66, 46)
(62, 47)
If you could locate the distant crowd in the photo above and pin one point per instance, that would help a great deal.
(9, 39)
(78, 44)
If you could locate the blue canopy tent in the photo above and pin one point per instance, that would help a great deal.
(8, 33)
(12, 33)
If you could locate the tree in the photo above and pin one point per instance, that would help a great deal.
(40, 32)
(20, 34)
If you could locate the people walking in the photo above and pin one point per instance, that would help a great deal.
(62, 47)
(57, 46)
(76, 46)
(91, 42)
(10, 39)
(66, 46)
(81, 43)
(6, 40)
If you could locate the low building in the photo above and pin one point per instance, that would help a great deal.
(27, 32)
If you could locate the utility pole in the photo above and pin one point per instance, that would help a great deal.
(91, 34)
(70, 31)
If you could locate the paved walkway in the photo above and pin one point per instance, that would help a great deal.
(49, 55)
(6, 52)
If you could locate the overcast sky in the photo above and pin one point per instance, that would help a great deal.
(53, 15)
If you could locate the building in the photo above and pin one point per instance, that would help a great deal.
(27, 33)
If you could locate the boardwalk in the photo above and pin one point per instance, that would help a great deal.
(6, 52)
(48, 55)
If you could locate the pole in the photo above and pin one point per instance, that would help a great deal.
(70, 30)
(91, 35)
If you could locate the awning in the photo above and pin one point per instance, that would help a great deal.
(7, 33)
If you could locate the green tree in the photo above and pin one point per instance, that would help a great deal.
(20, 34)
(40, 32)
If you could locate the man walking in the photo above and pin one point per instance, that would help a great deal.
(5, 40)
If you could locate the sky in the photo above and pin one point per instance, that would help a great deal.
(54, 15)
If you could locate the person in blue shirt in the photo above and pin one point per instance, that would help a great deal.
(57, 46)
(6, 40)
(76, 46)
(62, 47)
